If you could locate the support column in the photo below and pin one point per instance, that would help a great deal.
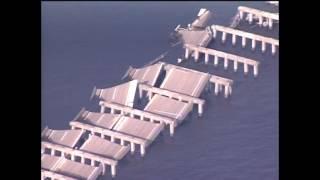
(171, 129)
(225, 62)
(52, 152)
(122, 142)
(245, 68)
(224, 36)
(142, 150)
(216, 60)
(260, 21)
(140, 92)
(196, 55)
(82, 159)
(111, 110)
(226, 91)
(214, 31)
(73, 157)
(255, 70)
(235, 66)
(270, 23)
(253, 44)
(102, 110)
(206, 58)
(113, 170)
(92, 162)
(131, 115)
(132, 147)
(263, 46)
(103, 168)
(112, 138)
(273, 49)
(243, 42)
(149, 95)
(200, 109)
(187, 53)
(216, 88)
(250, 18)
(234, 38)
(230, 89)
(241, 15)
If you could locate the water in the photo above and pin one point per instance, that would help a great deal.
(87, 44)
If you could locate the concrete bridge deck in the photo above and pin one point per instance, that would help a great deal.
(62, 168)
(115, 126)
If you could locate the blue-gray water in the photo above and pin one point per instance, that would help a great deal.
(92, 44)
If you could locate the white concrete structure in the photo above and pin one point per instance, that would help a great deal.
(67, 138)
(199, 85)
(61, 168)
(140, 114)
(122, 94)
(172, 95)
(245, 35)
(115, 126)
(258, 14)
(74, 153)
(147, 75)
(226, 57)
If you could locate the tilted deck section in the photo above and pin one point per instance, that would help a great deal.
(122, 94)
(147, 75)
(197, 33)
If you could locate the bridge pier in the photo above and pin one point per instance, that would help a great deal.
(132, 147)
(260, 21)
(225, 62)
(113, 171)
(187, 53)
(200, 109)
(233, 39)
(263, 46)
(243, 42)
(224, 36)
(235, 66)
(255, 70)
(253, 45)
(216, 61)
(241, 15)
(216, 88)
(270, 23)
(142, 150)
(245, 66)
(273, 49)
(250, 16)
(206, 58)
(102, 109)
(196, 55)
